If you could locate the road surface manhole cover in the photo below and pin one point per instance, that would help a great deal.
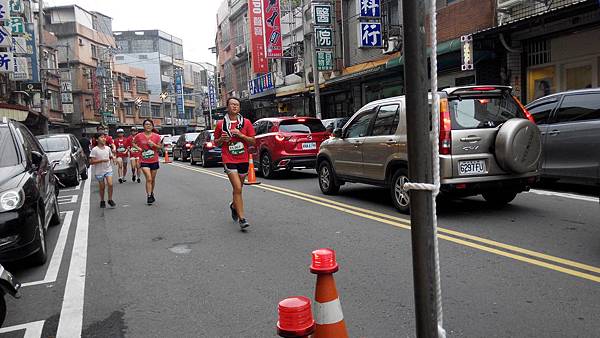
(180, 249)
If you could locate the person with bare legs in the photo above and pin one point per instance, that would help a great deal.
(148, 143)
(101, 160)
(235, 134)
(122, 155)
(134, 156)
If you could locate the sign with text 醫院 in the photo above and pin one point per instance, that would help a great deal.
(257, 37)
(272, 15)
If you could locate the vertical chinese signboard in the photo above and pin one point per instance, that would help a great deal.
(257, 37)
(323, 35)
(179, 92)
(272, 15)
(369, 27)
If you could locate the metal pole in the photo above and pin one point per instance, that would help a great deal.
(210, 99)
(315, 71)
(41, 60)
(420, 167)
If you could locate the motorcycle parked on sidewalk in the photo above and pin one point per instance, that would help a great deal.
(8, 285)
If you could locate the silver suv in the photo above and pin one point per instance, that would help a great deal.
(489, 145)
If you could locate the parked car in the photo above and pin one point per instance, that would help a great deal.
(204, 150)
(489, 145)
(286, 143)
(570, 126)
(8, 285)
(181, 148)
(335, 123)
(67, 152)
(28, 203)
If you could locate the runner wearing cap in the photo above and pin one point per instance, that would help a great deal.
(149, 143)
(234, 134)
(134, 156)
(122, 154)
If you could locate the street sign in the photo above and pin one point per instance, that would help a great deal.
(17, 25)
(31, 87)
(16, 7)
(467, 52)
(5, 38)
(4, 10)
(6, 62)
(322, 15)
(369, 8)
(19, 45)
(324, 37)
(66, 97)
(20, 69)
(66, 86)
(68, 108)
(370, 35)
(324, 60)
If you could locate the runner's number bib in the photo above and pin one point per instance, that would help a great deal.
(121, 150)
(236, 148)
(148, 154)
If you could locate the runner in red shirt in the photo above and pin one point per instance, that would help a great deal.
(149, 144)
(234, 134)
(122, 154)
(134, 156)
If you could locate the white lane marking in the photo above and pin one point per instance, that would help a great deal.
(67, 199)
(328, 312)
(565, 195)
(71, 313)
(57, 255)
(73, 189)
(32, 330)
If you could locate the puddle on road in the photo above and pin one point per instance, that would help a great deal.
(180, 249)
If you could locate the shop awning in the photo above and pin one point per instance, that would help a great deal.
(15, 112)
(442, 48)
(294, 89)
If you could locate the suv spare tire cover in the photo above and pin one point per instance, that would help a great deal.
(518, 146)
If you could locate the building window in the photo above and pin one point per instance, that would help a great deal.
(94, 51)
(54, 100)
(141, 86)
(155, 110)
(239, 31)
(143, 57)
(142, 46)
(241, 75)
(225, 34)
(538, 53)
(228, 72)
(123, 46)
(119, 58)
(128, 110)
(127, 84)
(145, 109)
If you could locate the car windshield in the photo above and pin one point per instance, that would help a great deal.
(302, 127)
(8, 152)
(191, 137)
(483, 111)
(54, 144)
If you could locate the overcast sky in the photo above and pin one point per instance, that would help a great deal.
(194, 21)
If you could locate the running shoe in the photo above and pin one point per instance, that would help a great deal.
(244, 223)
(234, 214)
(151, 199)
(138, 180)
(124, 179)
(133, 178)
(120, 180)
(112, 203)
(102, 204)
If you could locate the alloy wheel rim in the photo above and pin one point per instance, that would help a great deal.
(42, 236)
(325, 180)
(400, 193)
(266, 165)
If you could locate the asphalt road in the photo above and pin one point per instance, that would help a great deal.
(182, 268)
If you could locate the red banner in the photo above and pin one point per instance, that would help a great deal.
(257, 37)
(273, 28)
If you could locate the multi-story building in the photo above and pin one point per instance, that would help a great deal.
(132, 102)
(544, 47)
(85, 46)
(51, 74)
(161, 56)
(197, 76)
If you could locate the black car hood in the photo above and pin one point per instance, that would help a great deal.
(56, 156)
(10, 177)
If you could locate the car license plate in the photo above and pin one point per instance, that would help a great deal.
(471, 167)
(309, 146)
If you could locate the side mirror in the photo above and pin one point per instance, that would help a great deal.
(337, 133)
(36, 158)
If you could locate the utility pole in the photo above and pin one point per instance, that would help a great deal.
(420, 159)
(41, 61)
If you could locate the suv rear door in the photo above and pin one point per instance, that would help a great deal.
(346, 152)
(476, 114)
(573, 141)
(382, 143)
(303, 135)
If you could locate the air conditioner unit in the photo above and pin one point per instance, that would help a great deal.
(392, 45)
(298, 67)
(239, 50)
(506, 4)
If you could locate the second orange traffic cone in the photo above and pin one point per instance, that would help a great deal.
(328, 309)
(251, 173)
(167, 159)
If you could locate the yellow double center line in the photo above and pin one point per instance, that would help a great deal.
(566, 266)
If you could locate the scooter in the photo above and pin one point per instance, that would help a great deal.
(8, 285)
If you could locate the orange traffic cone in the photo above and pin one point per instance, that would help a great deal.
(328, 309)
(251, 173)
(167, 159)
(295, 318)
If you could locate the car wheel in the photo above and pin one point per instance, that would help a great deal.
(2, 309)
(203, 161)
(55, 220)
(499, 198)
(84, 174)
(192, 162)
(266, 166)
(400, 196)
(327, 180)
(77, 180)
(40, 257)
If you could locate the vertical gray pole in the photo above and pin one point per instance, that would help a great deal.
(315, 71)
(420, 167)
(42, 71)
(214, 84)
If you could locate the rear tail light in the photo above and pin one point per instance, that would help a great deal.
(525, 111)
(483, 89)
(188, 145)
(209, 145)
(281, 138)
(445, 128)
